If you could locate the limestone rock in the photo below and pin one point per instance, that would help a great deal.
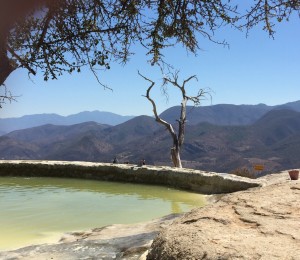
(188, 179)
(260, 223)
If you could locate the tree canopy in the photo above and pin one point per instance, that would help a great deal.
(61, 36)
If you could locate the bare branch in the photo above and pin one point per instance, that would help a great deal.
(157, 117)
(48, 18)
(23, 63)
(6, 96)
(195, 99)
(178, 139)
(190, 78)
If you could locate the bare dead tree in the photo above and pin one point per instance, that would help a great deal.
(178, 138)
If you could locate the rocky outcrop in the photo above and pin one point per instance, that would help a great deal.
(261, 223)
(188, 179)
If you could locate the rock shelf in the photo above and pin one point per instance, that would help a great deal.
(188, 179)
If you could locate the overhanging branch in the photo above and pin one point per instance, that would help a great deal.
(22, 62)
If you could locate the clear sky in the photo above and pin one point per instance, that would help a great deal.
(256, 69)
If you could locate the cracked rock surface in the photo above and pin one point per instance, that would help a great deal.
(261, 223)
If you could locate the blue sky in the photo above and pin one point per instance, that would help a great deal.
(254, 70)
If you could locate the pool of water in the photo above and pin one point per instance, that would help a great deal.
(39, 210)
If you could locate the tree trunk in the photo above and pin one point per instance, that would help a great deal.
(6, 68)
(175, 155)
(177, 139)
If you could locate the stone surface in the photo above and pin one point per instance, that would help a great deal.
(111, 242)
(260, 223)
(188, 179)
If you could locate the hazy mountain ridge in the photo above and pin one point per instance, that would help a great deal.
(223, 114)
(226, 114)
(273, 140)
(10, 124)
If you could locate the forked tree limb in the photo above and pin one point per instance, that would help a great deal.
(178, 139)
(157, 117)
(185, 98)
(22, 62)
(6, 95)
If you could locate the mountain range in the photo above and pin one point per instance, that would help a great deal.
(10, 124)
(223, 114)
(273, 139)
(226, 114)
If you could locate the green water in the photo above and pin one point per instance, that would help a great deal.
(38, 210)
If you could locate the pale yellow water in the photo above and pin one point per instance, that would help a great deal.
(39, 210)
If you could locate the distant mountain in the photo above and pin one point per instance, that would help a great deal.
(277, 125)
(44, 141)
(224, 114)
(273, 140)
(216, 115)
(291, 105)
(136, 128)
(10, 124)
(89, 141)
(269, 141)
(53, 133)
(219, 114)
(16, 149)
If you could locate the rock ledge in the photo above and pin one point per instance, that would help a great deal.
(188, 179)
(261, 223)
